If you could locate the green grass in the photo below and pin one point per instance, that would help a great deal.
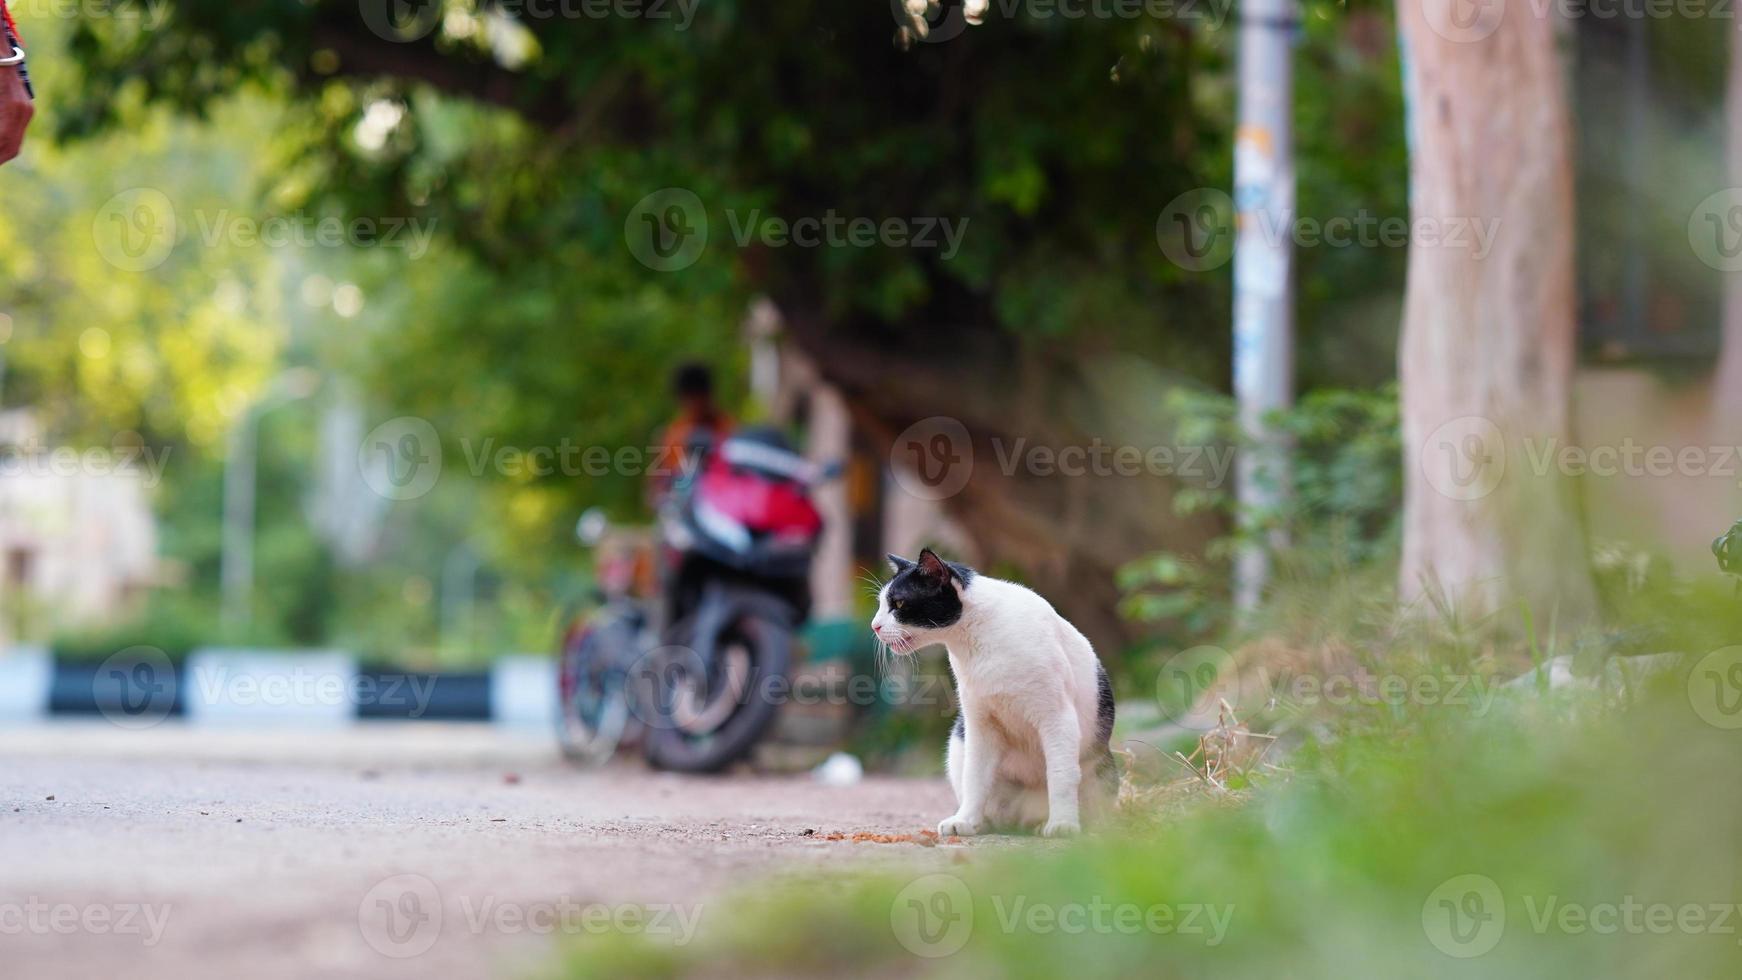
(1330, 870)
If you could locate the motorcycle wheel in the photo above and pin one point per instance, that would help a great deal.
(593, 715)
(706, 723)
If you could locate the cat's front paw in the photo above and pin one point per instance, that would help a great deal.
(1060, 828)
(958, 826)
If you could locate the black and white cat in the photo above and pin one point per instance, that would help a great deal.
(1036, 707)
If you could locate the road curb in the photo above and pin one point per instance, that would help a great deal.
(26, 677)
(230, 687)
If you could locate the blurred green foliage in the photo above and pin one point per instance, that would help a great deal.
(177, 624)
(1341, 862)
(1339, 512)
(524, 143)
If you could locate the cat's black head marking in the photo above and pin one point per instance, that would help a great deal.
(926, 593)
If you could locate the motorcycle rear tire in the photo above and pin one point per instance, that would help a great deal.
(770, 645)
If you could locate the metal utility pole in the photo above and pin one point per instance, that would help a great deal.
(459, 599)
(1263, 271)
(236, 561)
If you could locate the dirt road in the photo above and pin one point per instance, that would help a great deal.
(399, 850)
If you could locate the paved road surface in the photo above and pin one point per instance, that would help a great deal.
(397, 850)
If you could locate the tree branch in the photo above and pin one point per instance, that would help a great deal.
(363, 54)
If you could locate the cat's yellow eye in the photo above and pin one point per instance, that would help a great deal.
(897, 603)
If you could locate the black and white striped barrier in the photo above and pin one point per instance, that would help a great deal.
(140, 687)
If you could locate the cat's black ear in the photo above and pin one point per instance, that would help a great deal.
(933, 567)
(898, 564)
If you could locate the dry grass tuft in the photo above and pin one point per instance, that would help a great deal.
(1228, 760)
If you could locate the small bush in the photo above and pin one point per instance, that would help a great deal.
(175, 624)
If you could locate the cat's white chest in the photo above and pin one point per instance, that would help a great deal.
(1005, 678)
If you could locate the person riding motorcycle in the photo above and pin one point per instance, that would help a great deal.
(16, 105)
(699, 422)
(694, 676)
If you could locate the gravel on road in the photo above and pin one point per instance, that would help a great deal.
(390, 850)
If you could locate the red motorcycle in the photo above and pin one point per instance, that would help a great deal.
(694, 674)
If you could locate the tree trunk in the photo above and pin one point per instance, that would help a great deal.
(1485, 362)
(1067, 534)
(1727, 381)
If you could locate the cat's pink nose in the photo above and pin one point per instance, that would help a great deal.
(876, 629)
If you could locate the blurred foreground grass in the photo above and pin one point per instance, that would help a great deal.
(1576, 831)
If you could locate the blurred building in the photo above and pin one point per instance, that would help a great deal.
(77, 538)
(1656, 401)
